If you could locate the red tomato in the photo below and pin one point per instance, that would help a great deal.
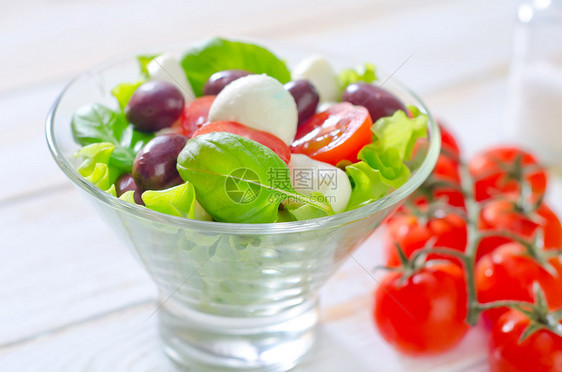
(508, 273)
(195, 115)
(504, 215)
(540, 352)
(424, 314)
(491, 176)
(266, 139)
(413, 233)
(334, 135)
(449, 146)
(447, 169)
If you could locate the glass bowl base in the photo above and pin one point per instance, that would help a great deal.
(204, 342)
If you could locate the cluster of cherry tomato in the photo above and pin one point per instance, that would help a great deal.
(423, 302)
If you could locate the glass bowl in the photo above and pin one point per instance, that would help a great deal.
(232, 296)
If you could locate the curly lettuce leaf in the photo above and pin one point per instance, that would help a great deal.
(218, 54)
(399, 132)
(366, 73)
(299, 211)
(382, 167)
(128, 196)
(176, 201)
(95, 168)
(96, 123)
(124, 91)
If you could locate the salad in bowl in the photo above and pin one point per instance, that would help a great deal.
(241, 181)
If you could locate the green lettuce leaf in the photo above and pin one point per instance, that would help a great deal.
(399, 132)
(301, 211)
(96, 123)
(96, 168)
(143, 61)
(237, 179)
(124, 91)
(128, 196)
(382, 167)
(177, 201)
(218, 54)
(365, 73)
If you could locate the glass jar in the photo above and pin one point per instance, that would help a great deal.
(534, 116)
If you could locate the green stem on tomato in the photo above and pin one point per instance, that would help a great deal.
(474, 237)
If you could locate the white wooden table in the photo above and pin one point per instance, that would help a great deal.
(71, 296)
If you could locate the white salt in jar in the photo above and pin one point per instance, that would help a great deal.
(534, 117)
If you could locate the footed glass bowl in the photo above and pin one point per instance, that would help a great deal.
(232, 296)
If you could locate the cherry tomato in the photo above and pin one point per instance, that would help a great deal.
(412, 233)
(540, 352)
(449, 145)
(505, 215)
(195, 115)
(425, 313)
(447, 169)
(494, 172)
(266, 139)
(508, 273)
(334, 135)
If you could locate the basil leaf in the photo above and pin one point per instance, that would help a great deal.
(218, 54)
(237, 179)
(96, 123)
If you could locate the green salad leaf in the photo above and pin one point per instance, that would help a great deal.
(382, 166)
(237, 179)
(96, 123)
(96, 168)
(124, 91)
(143, 61)
(218, 54)
(302, 211)
(366, 73)
(399, 132)
(177, 201)
(128, 196)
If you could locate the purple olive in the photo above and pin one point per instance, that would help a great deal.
(127, 183)
(154, 167)
(220, 79)
(155, 105)
(376, 100)
(306, 98)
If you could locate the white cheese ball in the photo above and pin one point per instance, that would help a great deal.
(259, 102)
(309, 175)
(320, 73)
(167, 68)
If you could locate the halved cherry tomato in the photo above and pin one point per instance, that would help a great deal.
(425, 313)
(334, 135)
(540, 352)
(195, 115)
(508, 273)
(495, 172)
(266, 139)
(412, 233)
(505, 215)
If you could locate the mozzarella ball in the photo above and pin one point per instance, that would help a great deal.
(309, 175)
(320, 73)
(259, 102)
(167, 68)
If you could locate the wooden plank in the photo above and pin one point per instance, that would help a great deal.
(127, 340)
(62, 265)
